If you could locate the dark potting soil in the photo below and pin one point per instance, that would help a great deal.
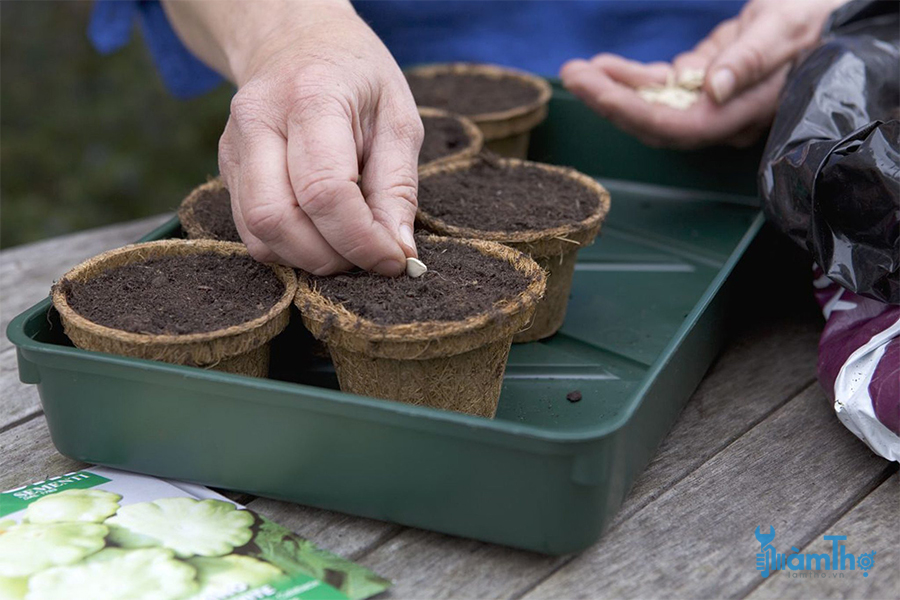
(177, 294)
(471, 94)
(460, 282)
(493, 197)
(212, 210)
(443, 136)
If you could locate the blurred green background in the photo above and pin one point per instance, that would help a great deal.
(88, 140)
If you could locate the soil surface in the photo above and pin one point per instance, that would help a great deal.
(443, 136)
(213, 211)
(492, 197)
(460, 282)
(471, 94)
(177, 294)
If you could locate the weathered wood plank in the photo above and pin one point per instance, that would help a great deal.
(26, 273)
(27, 455)
(342, 534)
(732, 398)
(425, 564)
(760, 370)
(17, 400)
(872, 525)
(797, 470)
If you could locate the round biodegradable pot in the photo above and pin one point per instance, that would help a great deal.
(448, 137)
(554, 248)
(506, 129)
(241, 348)
(206, 213)
(452, 365)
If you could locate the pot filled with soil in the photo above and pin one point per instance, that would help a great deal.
(206, 213)
(546, 211)
(504, 103)
(448, 137)
(201, 303)
(440, 339)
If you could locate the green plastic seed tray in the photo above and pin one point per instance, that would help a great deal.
(645, 321)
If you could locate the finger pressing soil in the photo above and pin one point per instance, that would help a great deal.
(491, 196)
(177, 294)
(460, 282)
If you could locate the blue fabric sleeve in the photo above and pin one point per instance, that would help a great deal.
(537, 36)
(110, 29)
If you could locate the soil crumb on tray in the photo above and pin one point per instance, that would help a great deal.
(443, 136)
(460, 282)
(471, 94)
(493, 197)
(177, 294)
(213, 211)
(574, 396)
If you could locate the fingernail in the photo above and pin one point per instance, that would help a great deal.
(722, 83)
(406, 236)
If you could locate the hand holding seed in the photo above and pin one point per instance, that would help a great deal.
(320, 151)
(724, 91)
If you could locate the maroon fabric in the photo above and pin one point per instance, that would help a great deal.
(851, 322)
(846, 331)
(884, 389)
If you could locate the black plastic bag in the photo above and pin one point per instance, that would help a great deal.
(830, 173)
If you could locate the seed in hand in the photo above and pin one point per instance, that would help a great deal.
(680, 95)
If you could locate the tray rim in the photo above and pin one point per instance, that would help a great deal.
(504, 433)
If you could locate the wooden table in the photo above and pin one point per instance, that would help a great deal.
(757, 445)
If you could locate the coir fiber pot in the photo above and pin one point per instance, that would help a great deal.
(452, 365)
(242, 348)
(473, 133)
(555, 249)
(506, 132)
(197, 225)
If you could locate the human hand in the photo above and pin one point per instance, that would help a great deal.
(321, 105)
(745, 60)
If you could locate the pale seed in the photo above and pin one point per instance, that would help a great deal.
(415, 267)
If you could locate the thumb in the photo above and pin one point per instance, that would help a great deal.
(390, 176)
(760, 49)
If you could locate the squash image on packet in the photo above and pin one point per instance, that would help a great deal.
(108, 535)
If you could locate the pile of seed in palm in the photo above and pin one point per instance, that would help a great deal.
(680, 93)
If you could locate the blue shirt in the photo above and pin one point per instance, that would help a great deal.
(535, 35)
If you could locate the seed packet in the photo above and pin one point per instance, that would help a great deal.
(102, 534)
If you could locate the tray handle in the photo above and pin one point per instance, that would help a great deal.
(29, 372)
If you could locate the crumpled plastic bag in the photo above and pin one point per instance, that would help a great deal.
(830, 173)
